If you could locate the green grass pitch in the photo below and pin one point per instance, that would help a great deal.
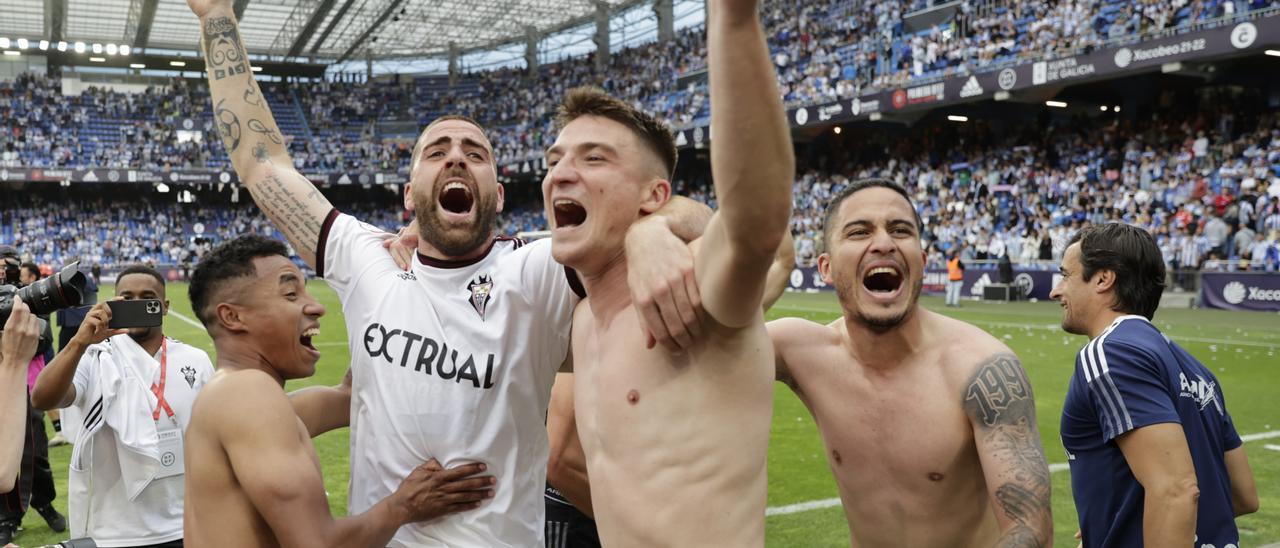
(1241, 348)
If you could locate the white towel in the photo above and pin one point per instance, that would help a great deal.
(121, 398)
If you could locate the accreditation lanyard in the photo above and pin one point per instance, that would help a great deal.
(158, 389)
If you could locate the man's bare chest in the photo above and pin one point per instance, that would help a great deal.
(911, 426)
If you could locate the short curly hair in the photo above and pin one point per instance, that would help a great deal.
(230, 260)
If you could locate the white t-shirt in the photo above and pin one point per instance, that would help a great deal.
(98, 503)
(452, 361)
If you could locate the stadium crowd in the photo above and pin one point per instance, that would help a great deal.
(822, 51)
(1207, 184)
(1204, 186)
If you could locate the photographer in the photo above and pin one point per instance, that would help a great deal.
(134, 389)
(69, 321)
(35, 487)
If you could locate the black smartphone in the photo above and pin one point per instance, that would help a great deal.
(135, 313)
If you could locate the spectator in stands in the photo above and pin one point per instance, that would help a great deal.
(1215, 233)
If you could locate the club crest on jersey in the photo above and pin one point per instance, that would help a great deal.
(1201, 391)
(189, 373)
(480, 288)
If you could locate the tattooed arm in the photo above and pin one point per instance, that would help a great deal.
(1002, 411)
(249, 132)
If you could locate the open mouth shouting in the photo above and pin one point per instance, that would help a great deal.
(456, 199)
(568, 213)
(883, 281)
(307, 339)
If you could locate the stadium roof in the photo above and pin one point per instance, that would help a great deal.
(331, 29)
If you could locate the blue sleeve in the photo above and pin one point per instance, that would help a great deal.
(1230, 438)
(1127, 387)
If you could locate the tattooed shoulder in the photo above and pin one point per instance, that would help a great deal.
(997, 390)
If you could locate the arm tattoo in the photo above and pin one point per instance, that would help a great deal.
(259, 127)
(998, 401)
(260, 153)
(222, 49)
(252, 97)
(228, 126)
(996, 386)
(289, 211)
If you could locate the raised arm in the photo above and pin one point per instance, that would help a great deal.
(784, 261)
(1002, 411)
(17, 346)
(567, 463)
(752, 164)
(274, 465)
(249, 132)
(54, 388)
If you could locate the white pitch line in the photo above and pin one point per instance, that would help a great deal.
(186, 318)
(1261, 436)
(801, 507)
(1053, 469)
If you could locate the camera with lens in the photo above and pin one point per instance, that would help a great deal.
(62, 290)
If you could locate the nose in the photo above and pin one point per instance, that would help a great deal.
(455, 158)
(882, 243)
(562, 172)
(1056, 292)
(314, 308)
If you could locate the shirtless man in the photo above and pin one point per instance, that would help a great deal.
(253, 477)
(656, 422)
(452, 360)
(929, 422)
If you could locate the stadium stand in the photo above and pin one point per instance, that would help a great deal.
(1195, 179)
(1183, 175)
(823, 50)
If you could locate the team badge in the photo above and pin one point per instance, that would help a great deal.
(189, 373)
(480, 289)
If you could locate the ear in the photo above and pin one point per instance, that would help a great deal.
(166, 308)
(824, 269)
(656, 196)
(229, 317)
(502, 197)
(1104, 281)
(408, 196)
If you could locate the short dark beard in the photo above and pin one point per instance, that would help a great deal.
(142, 334)
(432, 231)
(885, 325)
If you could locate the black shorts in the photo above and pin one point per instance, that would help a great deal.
(568, 528)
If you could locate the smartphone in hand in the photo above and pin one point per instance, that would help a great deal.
(136, 313)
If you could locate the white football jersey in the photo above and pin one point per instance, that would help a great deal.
(98, 501)
(452, 361)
